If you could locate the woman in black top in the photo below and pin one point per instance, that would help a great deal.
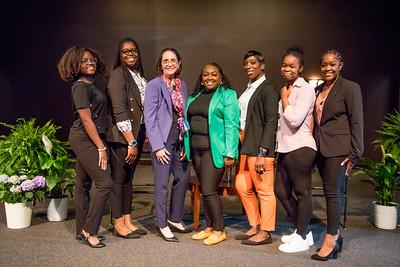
(79, 65)
(213, 116)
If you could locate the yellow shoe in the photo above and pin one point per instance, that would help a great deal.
(213, 239)
(201, 235)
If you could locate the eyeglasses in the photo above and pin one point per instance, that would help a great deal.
(166, 62)
(129, 51)
(89, 60)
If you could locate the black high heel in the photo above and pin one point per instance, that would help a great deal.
(128, 236)
(99, 237)
(168, 239)
(333, 255)
(177, 230)
(339, 241)
(85, 238)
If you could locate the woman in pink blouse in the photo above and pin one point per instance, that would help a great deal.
(297, 151)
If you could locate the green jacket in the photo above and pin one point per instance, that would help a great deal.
(223, 125)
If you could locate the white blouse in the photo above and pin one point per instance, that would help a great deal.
(244, 99)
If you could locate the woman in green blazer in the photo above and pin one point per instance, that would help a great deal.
(212, 142)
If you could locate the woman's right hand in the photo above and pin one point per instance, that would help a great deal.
(285, 91)
(163, 156)
(228, 161)
(103, 160)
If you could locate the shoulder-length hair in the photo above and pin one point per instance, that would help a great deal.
(159, 70)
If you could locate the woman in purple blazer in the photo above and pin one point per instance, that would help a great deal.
(164, 106)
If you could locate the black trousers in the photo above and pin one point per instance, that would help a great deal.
(209, 177)
(122, 175)
(89, 209)
(295, 177)
(333, 181)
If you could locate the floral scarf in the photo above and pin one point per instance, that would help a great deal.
(177, 103)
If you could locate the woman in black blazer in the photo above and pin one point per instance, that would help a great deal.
(338, 132)
(127, 133)
(258, 121)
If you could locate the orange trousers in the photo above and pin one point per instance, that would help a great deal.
(247, 178)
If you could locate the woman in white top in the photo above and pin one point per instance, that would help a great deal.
(297, 151)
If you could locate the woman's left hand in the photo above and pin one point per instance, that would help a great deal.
(131, 155)
(349, 166)
(228, 161)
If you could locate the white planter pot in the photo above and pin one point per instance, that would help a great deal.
(57, 209)
(18, 215)
(385, 217)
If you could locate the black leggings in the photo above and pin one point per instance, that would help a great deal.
(295, 176)
(333, 181)
(209, 177)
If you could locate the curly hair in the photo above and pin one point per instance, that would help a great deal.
(225, 82)
(70, 63)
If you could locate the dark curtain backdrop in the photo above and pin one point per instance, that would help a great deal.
(34, 34)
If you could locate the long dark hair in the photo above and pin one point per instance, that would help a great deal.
(118, 63)
(225, 82)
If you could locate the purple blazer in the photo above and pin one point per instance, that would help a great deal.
(158, 111)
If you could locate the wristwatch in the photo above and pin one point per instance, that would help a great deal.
(132, 144)
(262, 152)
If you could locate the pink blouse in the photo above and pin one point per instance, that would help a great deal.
(296, 123)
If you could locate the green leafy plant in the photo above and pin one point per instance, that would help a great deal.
(35, 150)
(385, 174)
(389, 133)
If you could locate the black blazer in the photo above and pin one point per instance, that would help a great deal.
(261, 120)
(126, 103)
(341, 130)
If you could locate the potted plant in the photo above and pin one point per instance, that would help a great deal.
(19, 194)
(35, 150)
(385, 173)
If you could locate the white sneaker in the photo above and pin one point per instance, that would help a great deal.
(296, 244)
(310, 238)
(287, 238)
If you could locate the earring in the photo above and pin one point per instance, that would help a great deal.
(220, 82)
(201, 83)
